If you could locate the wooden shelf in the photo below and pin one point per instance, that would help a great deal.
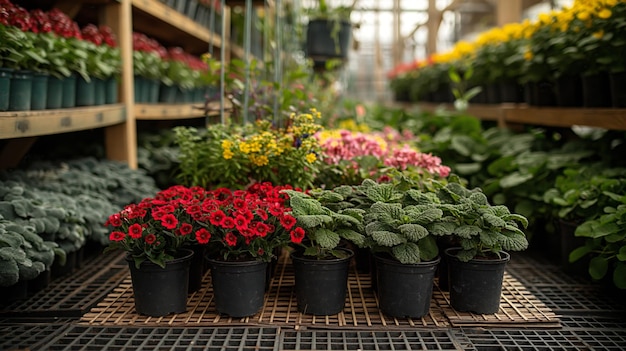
(168, 111)
(607, 118)
(175, 111)
(172, 26)
(20, 124)
(506, 114)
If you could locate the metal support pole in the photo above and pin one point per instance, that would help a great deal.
(246, 55)
(222, 61)
(278, 66)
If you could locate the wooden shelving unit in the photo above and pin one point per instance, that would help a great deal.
(21, 124)
(152, 17)
(511, 114)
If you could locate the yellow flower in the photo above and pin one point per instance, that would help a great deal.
(227, 154)
(599, 34)
(260, 160)
(310, 158)
(528, 55)
(583, 16)
(226, 144)
(605, 13)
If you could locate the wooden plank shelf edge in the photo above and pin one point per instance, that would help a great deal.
(20, 124)
(176, 111)
(176, 19)
(509, 114)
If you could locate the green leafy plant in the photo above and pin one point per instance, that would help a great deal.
(403, 223)
(606, 241)
(481, 229)
(23, 253)
(581, 193)
(322, 229)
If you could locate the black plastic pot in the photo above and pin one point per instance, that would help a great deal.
(327, 41)
(511, 92)
(596, 90)
(196, 268)
(321, 284)
(404, 290)
(569, 91)
(161, 291)
(476, 286)
(618, 89)
(238, 287)
(540, 93)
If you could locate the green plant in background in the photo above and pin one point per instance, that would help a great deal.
(606, 242)
(580, 193)
(460, 89)
(324, 228)
(23, 253)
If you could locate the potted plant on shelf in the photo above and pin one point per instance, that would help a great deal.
(401, 230)
(485, 234)
(246, 228)
(329, 31)
(320, 260)
(154, 233)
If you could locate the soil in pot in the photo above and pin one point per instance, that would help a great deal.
(476, 286)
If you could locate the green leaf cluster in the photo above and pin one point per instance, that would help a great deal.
(328, 220)
(606, 241)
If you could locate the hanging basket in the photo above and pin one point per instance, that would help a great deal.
(327, 39)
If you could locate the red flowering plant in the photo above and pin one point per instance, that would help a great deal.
(249, 224)
(156, 229)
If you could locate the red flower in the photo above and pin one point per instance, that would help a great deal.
(262, 214)
(297, 235)
(114, 220)
(117, 236)
(231, 239)
(241, 222)
(228, 223)
(150, 239)
(239, 203)
(203, 236)
(135, 230)
(169, 221)
(185, 229)
(217, 217)
(287, 221)
(193, 209)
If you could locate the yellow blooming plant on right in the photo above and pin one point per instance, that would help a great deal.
(234, 157)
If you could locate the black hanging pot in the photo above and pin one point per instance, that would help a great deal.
(327, 39)
(161, 291)
(321, 284)
(238, 286)
(404, 290)
(476, 285)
